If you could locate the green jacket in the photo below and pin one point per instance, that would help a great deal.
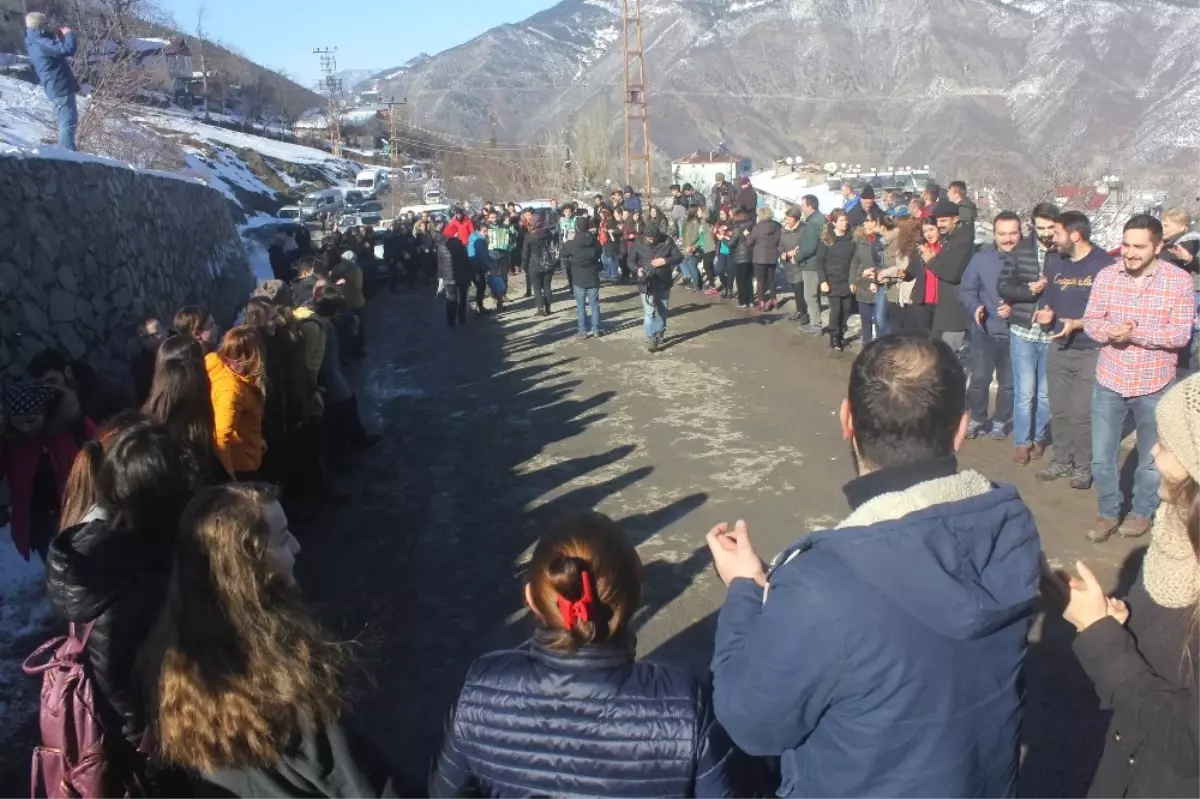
(810, 241)
(708, 241)
(690, 240)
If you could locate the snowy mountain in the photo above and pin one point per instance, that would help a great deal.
(350, 79)
(968, 84)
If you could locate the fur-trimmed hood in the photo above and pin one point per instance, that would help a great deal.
(958, 553)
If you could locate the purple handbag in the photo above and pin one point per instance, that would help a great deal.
(72, 760)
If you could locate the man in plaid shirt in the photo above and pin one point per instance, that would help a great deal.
(1141, 311)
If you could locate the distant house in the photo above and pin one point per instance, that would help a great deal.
(700, 168)
(1088, 198)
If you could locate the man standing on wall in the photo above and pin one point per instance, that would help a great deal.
(49, 52)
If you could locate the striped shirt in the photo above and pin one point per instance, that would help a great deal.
(1163, 306)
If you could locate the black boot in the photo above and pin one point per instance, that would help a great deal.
(832, 340)
(840, 346)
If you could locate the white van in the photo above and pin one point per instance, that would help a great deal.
(372, 182)
(326, 201)
(433, 209)
(412, 173)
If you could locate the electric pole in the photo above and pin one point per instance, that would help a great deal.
(393, 127)
(635, 99)
(334, 88)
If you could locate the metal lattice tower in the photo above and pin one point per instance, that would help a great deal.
(637, 119)
(333, 87)
(393, 128)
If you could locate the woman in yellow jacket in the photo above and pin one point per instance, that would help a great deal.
(238, 379)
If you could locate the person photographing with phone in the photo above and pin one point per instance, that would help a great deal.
(912, 614)
(50, 52)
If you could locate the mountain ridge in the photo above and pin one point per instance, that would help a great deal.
(976, 83)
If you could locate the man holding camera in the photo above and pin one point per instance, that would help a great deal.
(50, 53)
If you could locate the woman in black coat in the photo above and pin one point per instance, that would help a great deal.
(539, 261)
(833, 270)
(764, 250)
(572, 712)
(1142, 653)
(742, 254)
(109, 569)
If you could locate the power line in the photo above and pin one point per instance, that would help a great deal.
(334, 87)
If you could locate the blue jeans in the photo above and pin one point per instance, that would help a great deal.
(654, 303)
(1108, 418)
(1031, 392)
(690, 270)
(583, 299)
(68, 119)
(610, 266)
(881, 314)
(870, 324)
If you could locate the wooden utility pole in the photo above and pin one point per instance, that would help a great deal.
(393, 129)
(334, 88)
(637, 119)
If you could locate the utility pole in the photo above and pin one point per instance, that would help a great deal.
(393, 127)
(334, 87)
(636, 114)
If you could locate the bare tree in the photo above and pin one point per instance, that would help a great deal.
(202, 51)
(593, 142)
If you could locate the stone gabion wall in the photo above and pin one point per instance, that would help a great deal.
(87, 248)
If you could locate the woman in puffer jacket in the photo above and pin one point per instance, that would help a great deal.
(237, 375)
(572, 712)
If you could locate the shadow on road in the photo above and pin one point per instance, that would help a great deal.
(424, 566)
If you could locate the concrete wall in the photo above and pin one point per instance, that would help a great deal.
(87, 248)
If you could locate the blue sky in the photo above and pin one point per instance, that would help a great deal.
(368, 34)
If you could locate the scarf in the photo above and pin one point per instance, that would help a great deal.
(931, 280)
(1170, 572)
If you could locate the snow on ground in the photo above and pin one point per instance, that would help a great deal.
(26, 116)
(24, 612)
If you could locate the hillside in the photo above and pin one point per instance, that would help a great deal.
(257, 174)
(969, 84)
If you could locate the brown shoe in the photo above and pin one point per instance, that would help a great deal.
(1021, 456)
(1037, 450)
(1134, 527)
(1102, 529)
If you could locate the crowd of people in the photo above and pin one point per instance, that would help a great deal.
(160, 516)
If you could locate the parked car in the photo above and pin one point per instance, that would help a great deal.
(289, 214)
(353, 199)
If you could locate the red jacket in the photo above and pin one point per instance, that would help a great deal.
(460, 230)
(19, 463)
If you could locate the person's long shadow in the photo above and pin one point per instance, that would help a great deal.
(423, 567)
(737, 321)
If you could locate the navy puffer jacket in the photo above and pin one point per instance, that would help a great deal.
(533, 722)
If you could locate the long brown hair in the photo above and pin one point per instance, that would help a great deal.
(1185, 500)
(180, 400)
(591, 543)
(236, 668)
(241, 350)
(908, 235)
(79, 491)
(190, 320)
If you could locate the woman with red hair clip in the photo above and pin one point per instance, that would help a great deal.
(572, 712)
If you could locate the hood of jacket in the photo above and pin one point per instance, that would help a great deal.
(957, 553)
(90, 566)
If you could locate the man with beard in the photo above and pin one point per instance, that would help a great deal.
(1022, 283)
(912, 614)
(1141, 312)
(1071, 368)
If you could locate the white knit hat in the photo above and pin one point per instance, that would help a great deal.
(1178, 419)
(36, 20)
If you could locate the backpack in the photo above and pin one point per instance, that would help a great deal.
(73, 760)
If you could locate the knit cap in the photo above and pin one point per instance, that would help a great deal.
(1178, 420)
(27, 399)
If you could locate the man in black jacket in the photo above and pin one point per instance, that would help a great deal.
(1022, 283)
(950, 319)
(654, 258)
(581, 252)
